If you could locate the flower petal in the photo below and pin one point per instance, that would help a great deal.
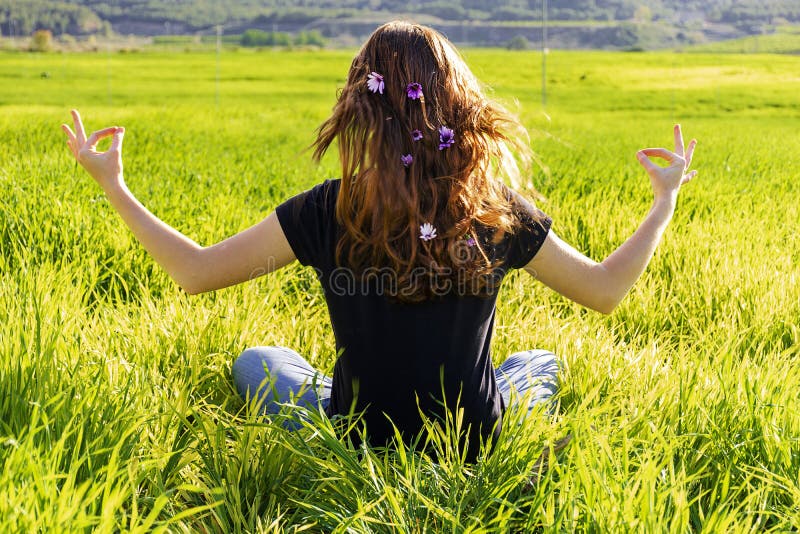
(414, 90)
(427, 232)
(375, 82)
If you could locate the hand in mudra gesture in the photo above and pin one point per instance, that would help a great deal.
(667, 180)
(105, 167)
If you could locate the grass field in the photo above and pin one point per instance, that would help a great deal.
(117, 411)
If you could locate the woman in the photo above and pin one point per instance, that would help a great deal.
(410, 246)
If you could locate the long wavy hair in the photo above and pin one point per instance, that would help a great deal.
(458, 189)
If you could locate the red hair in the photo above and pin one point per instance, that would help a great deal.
(458, 189)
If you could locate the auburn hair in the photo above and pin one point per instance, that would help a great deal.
(458, 188)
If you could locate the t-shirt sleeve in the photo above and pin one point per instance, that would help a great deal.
(529, 236)
(308, 221)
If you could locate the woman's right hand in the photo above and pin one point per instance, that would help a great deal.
(667, 180)
(105, 167)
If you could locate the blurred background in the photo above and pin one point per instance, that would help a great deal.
(743, 25)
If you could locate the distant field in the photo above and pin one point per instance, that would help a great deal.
(785, 40)
(116, 407)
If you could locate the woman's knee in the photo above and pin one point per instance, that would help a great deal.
(252, 366)
(535, 362)
(278, 375)
(532, 377)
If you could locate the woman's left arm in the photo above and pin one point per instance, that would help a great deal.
(601, 286)
(258, 250)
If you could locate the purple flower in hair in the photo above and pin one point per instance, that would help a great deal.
(427, 232)
(416, 135)
(414, 91)
(407, 160)
(446, 137)
(375, 82)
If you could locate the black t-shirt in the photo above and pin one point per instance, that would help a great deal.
(395, 358)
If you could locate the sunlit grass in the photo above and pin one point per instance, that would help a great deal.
(116, 408)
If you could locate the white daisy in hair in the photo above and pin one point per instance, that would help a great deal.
(427, 232)
(375, 82)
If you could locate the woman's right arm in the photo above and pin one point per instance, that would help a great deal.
(253, 252)
(601, 286)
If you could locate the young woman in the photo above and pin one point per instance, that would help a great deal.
(410, 246)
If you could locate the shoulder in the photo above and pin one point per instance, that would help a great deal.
(307, 220)
(320, 198)
(324, 195)
(326, 191)
(531, 228)
(525, 210)
(313, 208)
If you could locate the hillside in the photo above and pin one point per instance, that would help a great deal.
(577, 23)
(785, 40)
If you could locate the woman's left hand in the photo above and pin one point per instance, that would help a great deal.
(105, 167)
(666, 181)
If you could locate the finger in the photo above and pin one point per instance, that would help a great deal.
(80, 133)
(662, 153)
(690, 152)
(100, 134)
(70, 138)
(649, 166)
(68, 131)
(116, 142)
(688, 177)
(678, 140)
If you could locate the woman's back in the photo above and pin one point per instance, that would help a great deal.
(398, 358)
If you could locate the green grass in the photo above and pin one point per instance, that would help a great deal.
(116, 406)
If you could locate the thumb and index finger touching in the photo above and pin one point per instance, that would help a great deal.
(77, 140)
(682, 151)
(645, 154)
(116, 131)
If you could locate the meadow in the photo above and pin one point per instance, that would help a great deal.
(117, 412)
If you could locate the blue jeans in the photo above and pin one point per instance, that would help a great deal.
(529, 376)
